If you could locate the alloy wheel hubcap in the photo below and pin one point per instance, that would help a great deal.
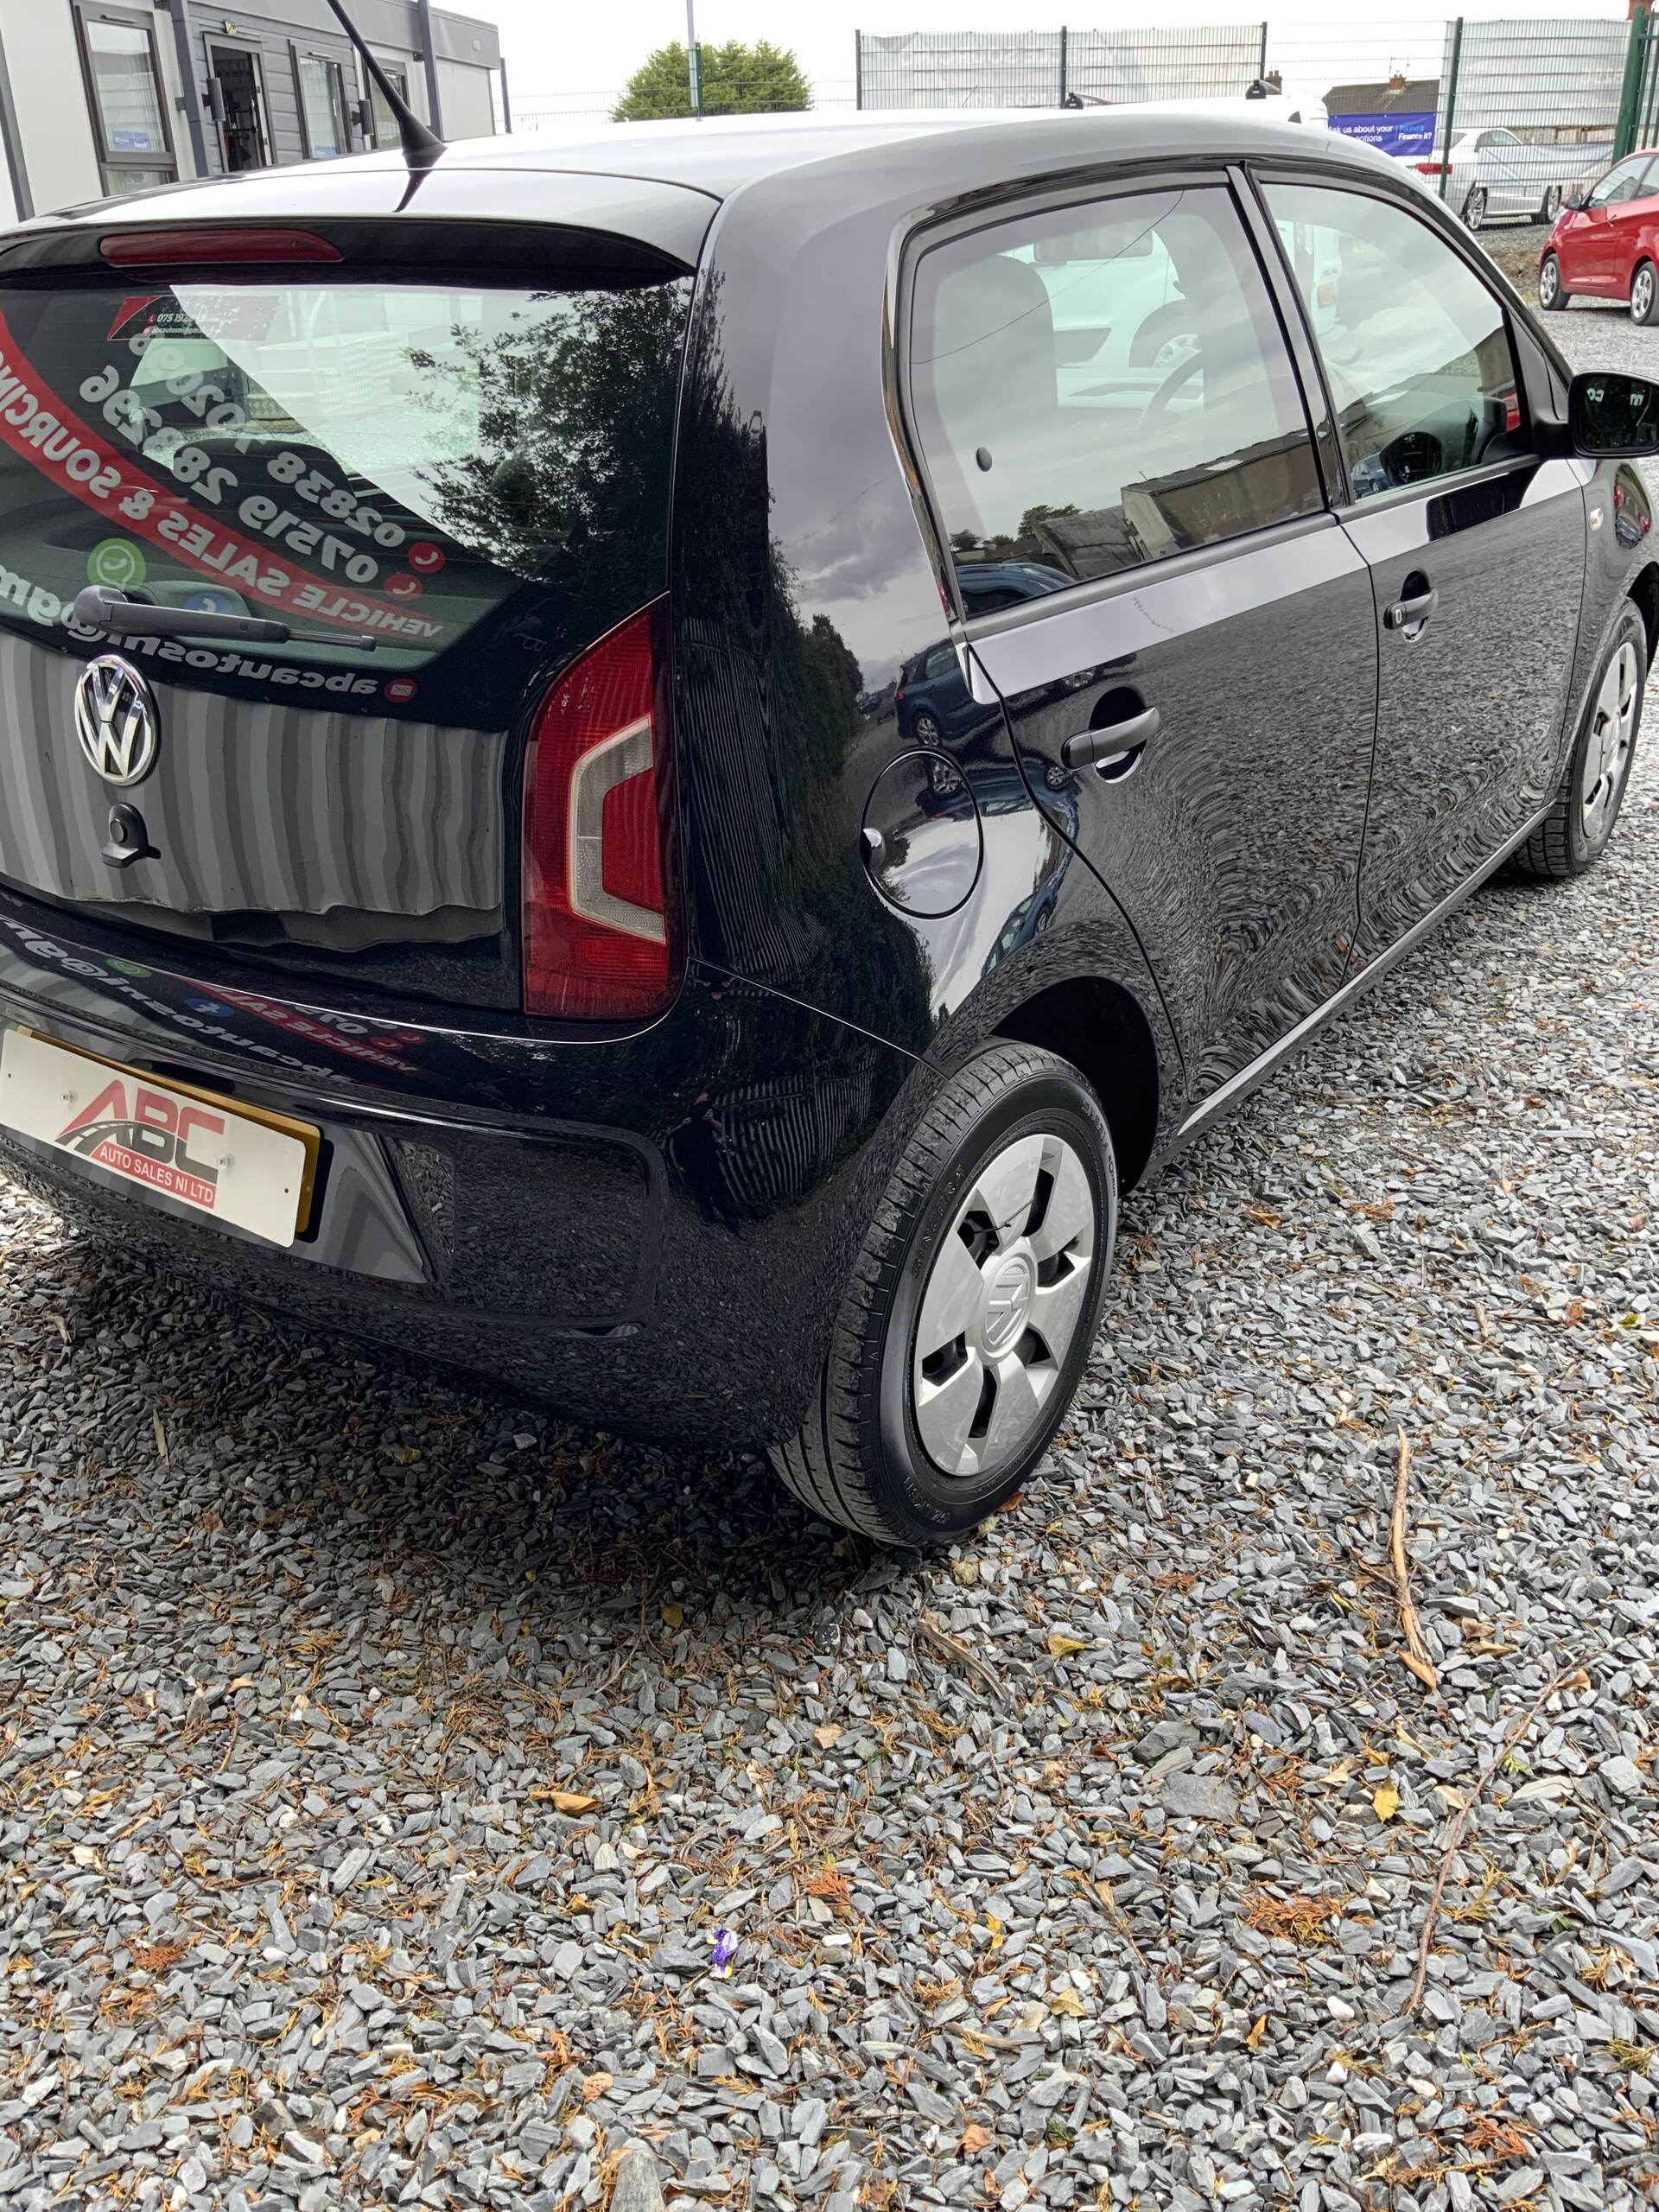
(1612, 737)
(1548, 280)
(1002, 1305)
(1642, 295)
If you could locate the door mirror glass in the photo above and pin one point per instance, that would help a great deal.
(1613, 418)
(1576, 202)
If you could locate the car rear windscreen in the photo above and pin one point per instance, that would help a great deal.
(394, 461)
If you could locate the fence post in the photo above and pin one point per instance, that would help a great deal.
(1450, 103)
(1062, 83)
(1630, 94)
(1261, 67)
(858, 68)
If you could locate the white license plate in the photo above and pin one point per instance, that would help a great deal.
(238, 1164)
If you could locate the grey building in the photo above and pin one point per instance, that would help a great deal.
(109, 96)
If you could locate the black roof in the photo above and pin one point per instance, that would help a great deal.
(661, 181)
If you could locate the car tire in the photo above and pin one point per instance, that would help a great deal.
(1474, 209)
(1579, 827)
(1553, 295)
(1551, 206)
(1644, 293)
(926, 729)
(999, 1216)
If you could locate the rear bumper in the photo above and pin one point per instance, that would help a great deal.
(649, 1234)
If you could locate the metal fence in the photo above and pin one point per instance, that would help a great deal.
(1573, 91)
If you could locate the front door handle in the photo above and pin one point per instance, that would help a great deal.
(1412, 613)
(1093, 749)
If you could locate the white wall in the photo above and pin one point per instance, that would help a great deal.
(50, 96)
(465, 94)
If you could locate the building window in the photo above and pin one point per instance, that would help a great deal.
(322, 107)
(126, 95)
(385, 122)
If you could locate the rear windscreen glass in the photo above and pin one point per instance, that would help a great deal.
(352, 458)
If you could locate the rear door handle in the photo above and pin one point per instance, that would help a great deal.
(1412, 613)
(1090, 748)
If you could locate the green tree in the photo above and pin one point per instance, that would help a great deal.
(737, 80)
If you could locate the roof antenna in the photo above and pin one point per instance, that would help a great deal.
(421, 144)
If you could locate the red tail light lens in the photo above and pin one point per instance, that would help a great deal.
(601, 936)
(1430, 168)
(220, 244)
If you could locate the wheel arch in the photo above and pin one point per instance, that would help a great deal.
(1645, 590)
(1101, 1029)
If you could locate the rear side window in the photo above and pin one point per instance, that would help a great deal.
(1099, 386)
(1416, 350)
(426, 464)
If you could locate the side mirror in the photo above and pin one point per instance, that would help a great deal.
(1613, 418)
(1576, 202)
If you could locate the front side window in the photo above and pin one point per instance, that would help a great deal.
(125, 85)
(1416, 348)
(1094, 387)
(1619, 184)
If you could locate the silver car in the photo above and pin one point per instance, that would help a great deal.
(1490, 173)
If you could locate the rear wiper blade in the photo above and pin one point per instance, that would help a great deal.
(97, 607)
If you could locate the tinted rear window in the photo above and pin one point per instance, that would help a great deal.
(434, 464)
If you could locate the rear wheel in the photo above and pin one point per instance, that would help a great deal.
(1553, 295)
(1644, 293)
(1474, 209)
(1578, 828)
(1552, 205)
(972, 1307)
(927, 729)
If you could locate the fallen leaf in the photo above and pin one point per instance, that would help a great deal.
(1254, 2038)
(829, 1885)
(1385, 1802)
(673, 1615)
(1453, 1798)
(1067, 2003)
(594, 2085)
(975, 2138)
(1061, 1646)
(828, 1736)
(570, 1802)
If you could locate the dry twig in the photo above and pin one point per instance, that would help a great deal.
(1416, 1653)
(1511, 1738)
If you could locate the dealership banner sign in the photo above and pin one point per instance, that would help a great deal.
(1397, 133)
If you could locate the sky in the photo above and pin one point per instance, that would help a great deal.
(565, 56)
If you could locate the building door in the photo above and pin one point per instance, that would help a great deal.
(236, 91)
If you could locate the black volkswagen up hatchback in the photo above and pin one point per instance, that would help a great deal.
(467, 875)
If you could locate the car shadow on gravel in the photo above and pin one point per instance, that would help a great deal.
(382, 1468)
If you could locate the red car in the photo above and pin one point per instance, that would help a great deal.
(1605, 242)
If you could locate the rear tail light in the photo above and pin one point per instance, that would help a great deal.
(600, 935)
(1431, 168)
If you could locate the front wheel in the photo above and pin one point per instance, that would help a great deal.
(972, 1307)
(1552, 293)
(1579, 827)
(1644, 293)
(1474, 209)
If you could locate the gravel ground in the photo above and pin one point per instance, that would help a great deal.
(379, 1764)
